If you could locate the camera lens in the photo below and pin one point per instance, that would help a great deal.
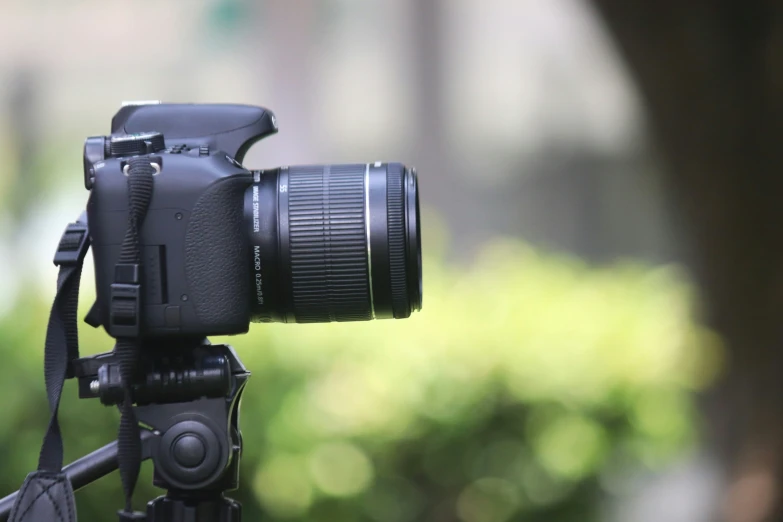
(334, 243)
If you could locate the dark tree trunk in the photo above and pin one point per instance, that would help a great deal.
(711, 74)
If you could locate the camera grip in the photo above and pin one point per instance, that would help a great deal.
(216, 265)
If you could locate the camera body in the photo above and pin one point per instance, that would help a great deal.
(220, 245)
(194, 253)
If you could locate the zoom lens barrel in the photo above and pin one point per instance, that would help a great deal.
(334, 243)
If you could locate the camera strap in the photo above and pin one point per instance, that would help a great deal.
(125, 316)
(47, 493)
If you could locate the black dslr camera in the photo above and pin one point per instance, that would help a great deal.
(189, 243)
(223, 245)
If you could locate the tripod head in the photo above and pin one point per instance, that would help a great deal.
(188, 392)
(188, 395)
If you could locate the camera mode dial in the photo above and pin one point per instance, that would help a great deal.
(136, 144)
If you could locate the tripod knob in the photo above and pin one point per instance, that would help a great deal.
(191, 455)
(189, 450)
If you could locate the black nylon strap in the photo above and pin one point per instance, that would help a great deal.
(140, 184)
(47, 494)
(62, 341)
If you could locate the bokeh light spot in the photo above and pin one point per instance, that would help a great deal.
(488, 500)
(283, 486)
(340, 469)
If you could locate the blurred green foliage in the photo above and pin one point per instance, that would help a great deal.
(527, 389)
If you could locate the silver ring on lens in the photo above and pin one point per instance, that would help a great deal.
(367, 231)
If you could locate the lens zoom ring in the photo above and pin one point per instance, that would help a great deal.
(395, 205)
(328, 243)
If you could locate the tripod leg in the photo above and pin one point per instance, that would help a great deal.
(86, 470)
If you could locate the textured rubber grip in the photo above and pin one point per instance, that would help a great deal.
(395, 204)
(330, 273)
(215, 254)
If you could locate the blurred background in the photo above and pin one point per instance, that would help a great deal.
(600, 338)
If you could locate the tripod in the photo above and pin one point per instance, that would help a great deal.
(187, 397)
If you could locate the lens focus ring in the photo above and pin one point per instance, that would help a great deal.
(395, 204)
(328, 243)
